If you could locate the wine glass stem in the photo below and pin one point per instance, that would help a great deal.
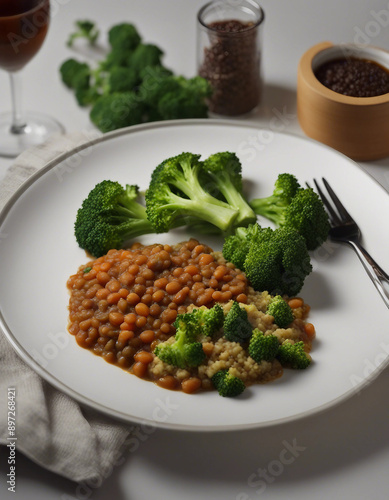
(18, 124)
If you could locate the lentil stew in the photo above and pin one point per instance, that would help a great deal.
(124, 303)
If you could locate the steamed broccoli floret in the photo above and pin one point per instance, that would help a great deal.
(85, 29)
(293, 355)
(185, 351)
(225, 171)
(209, 320)
(117, 110)
(281, 311)
(285, 188)
(297, 208)
(75, 75)
(263, 347)
(108, 217)
(228, 385)
(175, 193)
(274, 260)
(237, 246)
(124, 37)
(237, 327)
(306, 214)
(278, 261)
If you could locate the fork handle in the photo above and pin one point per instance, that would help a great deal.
(378, 276)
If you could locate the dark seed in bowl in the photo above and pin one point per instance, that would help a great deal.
(354, 77)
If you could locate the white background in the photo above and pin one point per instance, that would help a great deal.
(344, 452)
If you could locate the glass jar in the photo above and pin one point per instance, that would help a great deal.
(229, 54)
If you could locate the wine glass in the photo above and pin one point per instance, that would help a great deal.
(23, 28)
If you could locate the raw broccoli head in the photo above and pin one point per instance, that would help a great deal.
(84, 29)
(108, 217)
(124, 37)
(156, 82)
(228, 385)
(281, 311)
(116, 58)
(306, 214)
(182, 104)
(87, 97)
(237, 327)
(75, 75)
(122, 79)
(78, 76)
(117, 110)
(145, 55)
(278, 261)
(237, 246)
(263, 347)
(224, 171)
(175, 193)
(186, 99)
(173, 97)
(293, 355)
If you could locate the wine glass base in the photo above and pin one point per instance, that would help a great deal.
(37, 130)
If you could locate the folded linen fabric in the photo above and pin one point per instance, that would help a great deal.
(51, 428)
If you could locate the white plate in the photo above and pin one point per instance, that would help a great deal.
(38, 252)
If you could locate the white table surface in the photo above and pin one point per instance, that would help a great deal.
(344, 452)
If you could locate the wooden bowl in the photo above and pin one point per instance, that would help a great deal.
(356, 126)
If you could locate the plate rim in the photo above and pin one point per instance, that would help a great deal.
(124, 417)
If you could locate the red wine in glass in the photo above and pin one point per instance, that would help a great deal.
(23, 28)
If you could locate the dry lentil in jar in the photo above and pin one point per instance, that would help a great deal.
(231, 64)
(354, 77)
(122, 304)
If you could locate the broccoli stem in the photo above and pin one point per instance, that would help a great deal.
(270, 208)
(217, 215)
(137, 227)
(246, 214)
(132, 207)
(189, 184)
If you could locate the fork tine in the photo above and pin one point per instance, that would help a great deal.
(342, 211)
(333, 215)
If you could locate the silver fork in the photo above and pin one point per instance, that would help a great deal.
(346, 230)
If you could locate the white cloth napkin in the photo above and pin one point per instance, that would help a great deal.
(51, 428)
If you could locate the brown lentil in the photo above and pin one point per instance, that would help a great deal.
(191, 385)
(167, 382)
